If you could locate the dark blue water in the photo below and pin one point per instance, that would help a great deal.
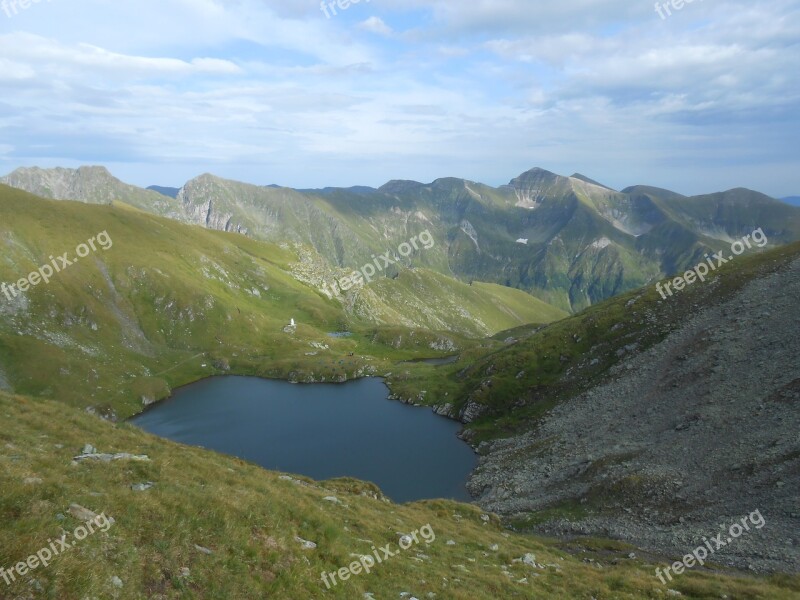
(322, 431)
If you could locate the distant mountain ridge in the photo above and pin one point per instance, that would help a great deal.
(583, 242)
(91, 184)
(793, 200)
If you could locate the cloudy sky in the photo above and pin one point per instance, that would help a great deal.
(276, 91)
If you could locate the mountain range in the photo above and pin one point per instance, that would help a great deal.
(569, 241)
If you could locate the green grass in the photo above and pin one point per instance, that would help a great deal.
(443, 303)
(550, 364)
(169, 303)
(572, 510)
(249, 518)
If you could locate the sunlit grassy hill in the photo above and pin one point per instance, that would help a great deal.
(427, 299)
(169, 303)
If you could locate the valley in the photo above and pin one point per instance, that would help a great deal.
(171, 303)
(302, 302)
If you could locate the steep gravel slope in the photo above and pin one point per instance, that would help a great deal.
(681, 441)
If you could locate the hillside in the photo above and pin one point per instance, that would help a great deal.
(94, 185)
(168, 303)
(569, 241)
(651, 420)
(440, 303)
(215, 527)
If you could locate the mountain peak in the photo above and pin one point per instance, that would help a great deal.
(93, 170)
(82, 170)
(92, 184)
(537, 173)
(586, 179)
(649, 190)
(538, 180)
(399, 186)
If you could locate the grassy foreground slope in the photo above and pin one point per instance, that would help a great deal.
(170, 303)
(216, 527)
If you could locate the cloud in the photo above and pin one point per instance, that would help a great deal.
(272, 89)
(375, 25)
(36, 56)
(481, 17)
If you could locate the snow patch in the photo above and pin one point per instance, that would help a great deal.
(603, 242)
(468, 229)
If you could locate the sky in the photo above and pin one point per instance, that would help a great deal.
(698, 99)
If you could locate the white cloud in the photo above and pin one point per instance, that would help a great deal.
(375, 25)
(272, 89)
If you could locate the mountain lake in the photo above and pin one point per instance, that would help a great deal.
(321, 431)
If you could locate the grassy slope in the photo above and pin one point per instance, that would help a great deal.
(520, 382)
(437, 302)
(249, 518)
(162, 293)
(170, 303)
(149, 317)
